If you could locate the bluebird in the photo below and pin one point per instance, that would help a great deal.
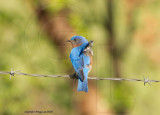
(81, 58)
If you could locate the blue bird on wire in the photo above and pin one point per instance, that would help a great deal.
(82, 60)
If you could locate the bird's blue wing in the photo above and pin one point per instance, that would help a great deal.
(80, 63)
(83, 85)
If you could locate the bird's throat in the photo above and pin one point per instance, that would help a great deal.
(76, 45)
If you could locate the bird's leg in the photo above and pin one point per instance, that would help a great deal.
(74, 76)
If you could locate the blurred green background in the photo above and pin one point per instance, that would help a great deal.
(126, 45)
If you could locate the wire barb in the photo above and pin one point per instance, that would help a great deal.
(146, 80)
(12, 73)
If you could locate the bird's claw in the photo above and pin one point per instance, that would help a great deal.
(74, 76)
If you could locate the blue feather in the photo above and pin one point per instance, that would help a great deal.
(80, 62)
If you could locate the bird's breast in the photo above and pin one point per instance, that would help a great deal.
(91, 61)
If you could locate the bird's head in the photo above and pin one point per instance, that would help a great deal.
(77, 41)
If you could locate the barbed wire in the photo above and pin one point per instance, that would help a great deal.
(12, 73)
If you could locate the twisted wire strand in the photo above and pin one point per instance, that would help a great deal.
(12, 73)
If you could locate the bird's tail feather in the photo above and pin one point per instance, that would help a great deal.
(82, 86)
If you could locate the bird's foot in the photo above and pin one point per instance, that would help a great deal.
(74, 76)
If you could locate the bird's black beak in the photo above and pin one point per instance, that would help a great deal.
(68, 40)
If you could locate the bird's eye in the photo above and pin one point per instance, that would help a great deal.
(75, 40)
